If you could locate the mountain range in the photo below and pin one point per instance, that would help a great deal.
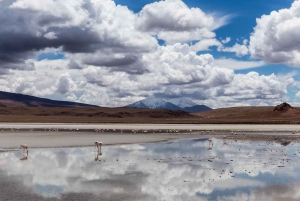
(8, 99)
(183, 104)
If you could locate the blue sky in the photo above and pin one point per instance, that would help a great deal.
(214, 52)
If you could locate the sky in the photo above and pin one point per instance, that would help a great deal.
(113, 53)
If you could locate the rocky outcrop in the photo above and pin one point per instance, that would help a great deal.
(283, 107)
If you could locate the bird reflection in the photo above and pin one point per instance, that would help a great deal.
(25, 157)
(224, 140)
(99, 153)
(210, 144)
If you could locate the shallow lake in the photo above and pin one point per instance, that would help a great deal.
(178, 170)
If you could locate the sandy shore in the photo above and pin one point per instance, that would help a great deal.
(72, 135)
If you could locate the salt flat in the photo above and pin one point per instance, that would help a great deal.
(215, 127)
(74, 135)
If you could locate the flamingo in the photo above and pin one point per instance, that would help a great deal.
(98, 145)
(24, 146)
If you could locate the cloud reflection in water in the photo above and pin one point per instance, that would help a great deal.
(179, 170)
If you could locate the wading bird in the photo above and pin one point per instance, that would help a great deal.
(24, 146)
(98, 145)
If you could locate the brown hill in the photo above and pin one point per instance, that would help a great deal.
(93, 115)
(283, 107)
(283, 113)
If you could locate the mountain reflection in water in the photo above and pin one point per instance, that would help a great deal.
(179, 170)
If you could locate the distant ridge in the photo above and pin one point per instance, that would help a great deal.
(8, 99)
(183, 104)
(197, 108)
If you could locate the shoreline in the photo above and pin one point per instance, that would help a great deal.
(82, 135)
(13, 140)
(147, 127)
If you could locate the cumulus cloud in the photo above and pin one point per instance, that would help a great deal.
(73, 64)
(65, 84)
(22, 86)
(179, 66)
(180, 72)
(175, 68)
(250, 89)
(172, 71)
(226, 40)
(276, 36)
(205, 44)
(73, 26)
(186, 24)
(238, 49)
(40, 82)
(112, 56)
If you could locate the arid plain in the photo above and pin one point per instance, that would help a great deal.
(80, 126)
(234, 115)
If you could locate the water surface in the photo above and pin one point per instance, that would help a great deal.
(178, 170)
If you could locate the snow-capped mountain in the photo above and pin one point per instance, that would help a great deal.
(154, 103)
(183, 104)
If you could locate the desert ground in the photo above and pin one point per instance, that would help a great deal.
(285, 114)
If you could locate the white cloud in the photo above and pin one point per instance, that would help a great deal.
(204, 44)
(226, 40)
(248, 89)
(98, 96)
(169, 69)
(50, 35)
(176, 71)
(153, 177)
(22, 86)
(186, 24)
(276, 36)
(255, 86)
(262, 104)
(174, 65)
(237, 64)
(238, 183)
(65, 84)
(238, 49)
